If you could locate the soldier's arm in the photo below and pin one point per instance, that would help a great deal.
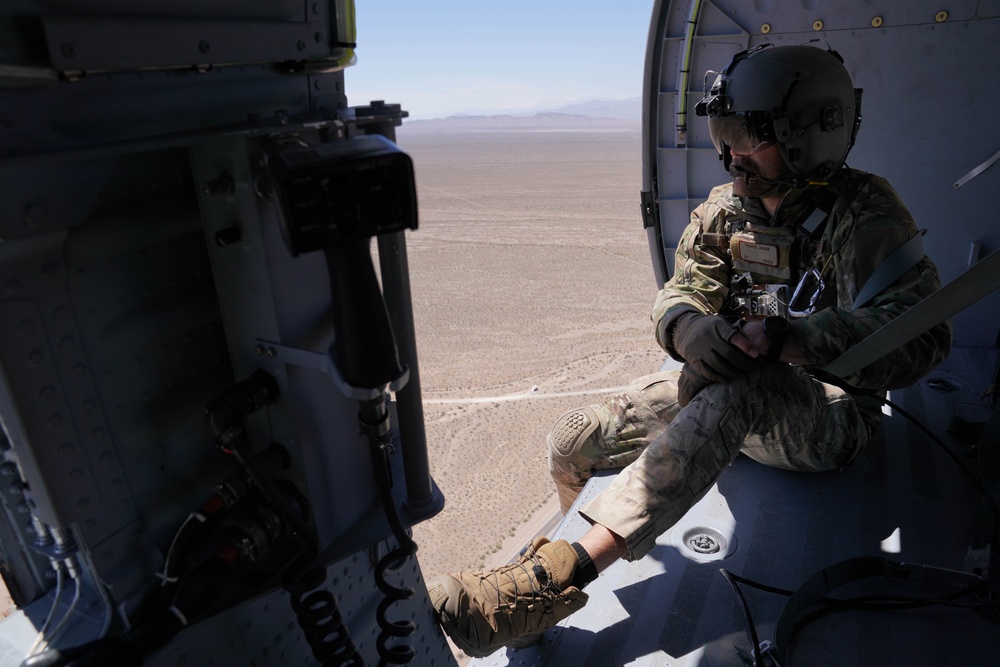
(880, 224)
(701, 277)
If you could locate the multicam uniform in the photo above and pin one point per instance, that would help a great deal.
(778, 414)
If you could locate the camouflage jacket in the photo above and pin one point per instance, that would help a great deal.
(866, 222)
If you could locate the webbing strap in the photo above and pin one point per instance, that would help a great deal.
(891, 269)
(971, 286)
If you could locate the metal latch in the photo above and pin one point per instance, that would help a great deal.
(650, 209)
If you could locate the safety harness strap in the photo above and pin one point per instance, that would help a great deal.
(892, 268)
(971, 286)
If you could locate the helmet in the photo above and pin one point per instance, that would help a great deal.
(798, 96)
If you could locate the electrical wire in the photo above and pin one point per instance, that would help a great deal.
(756, 584)
(100, 589)
(976, 479)
(885, 601)
(751, 626)
(166, 576)
(102, 593)
(61, 626)
(35, 647)
(374, 418)
(881, 601)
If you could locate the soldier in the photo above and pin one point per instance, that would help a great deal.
(767, 289)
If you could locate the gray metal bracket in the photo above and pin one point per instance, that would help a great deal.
(322, 362)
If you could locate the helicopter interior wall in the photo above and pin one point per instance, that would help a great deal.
(926, 116)
(273, 10)
(119, 322)
(926, 125)
(113, 331)
(142, 272)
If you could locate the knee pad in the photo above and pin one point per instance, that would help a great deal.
(571, 431)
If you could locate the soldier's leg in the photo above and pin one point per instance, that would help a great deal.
(609, 435)
(482, 611)
(835, 436)
(778, 407)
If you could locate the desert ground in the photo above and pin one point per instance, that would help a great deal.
(530, 269)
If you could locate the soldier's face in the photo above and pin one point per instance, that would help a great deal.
(750, 169)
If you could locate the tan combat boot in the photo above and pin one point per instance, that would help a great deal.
(484, 611)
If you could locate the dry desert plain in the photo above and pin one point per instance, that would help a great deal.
(530, 268)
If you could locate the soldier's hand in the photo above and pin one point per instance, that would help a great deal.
(751, 339)
(703, 342)
(689, 384)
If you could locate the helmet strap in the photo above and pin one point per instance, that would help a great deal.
(778, 188)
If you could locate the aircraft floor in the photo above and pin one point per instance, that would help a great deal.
(903, 500)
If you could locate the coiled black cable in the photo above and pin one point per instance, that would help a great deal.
(318, 616)
(374, 422)
(399, 654)
(316, 608)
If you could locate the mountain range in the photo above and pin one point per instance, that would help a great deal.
(630, 109)
(594, 114)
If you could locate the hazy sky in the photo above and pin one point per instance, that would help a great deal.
(441, 57)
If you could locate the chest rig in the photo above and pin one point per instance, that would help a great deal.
(775, 270)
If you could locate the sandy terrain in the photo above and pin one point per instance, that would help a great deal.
(530, 267)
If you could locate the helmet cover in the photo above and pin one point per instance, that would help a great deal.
(801, 97)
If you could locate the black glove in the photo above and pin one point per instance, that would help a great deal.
(689, 384)
(703, 342)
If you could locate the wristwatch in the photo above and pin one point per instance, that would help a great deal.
(776, 329)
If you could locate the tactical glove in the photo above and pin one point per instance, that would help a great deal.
(703, 342)
(689, 384)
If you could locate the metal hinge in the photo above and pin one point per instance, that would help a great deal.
(650, 209)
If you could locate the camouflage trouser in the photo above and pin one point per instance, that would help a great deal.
(778, 415)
